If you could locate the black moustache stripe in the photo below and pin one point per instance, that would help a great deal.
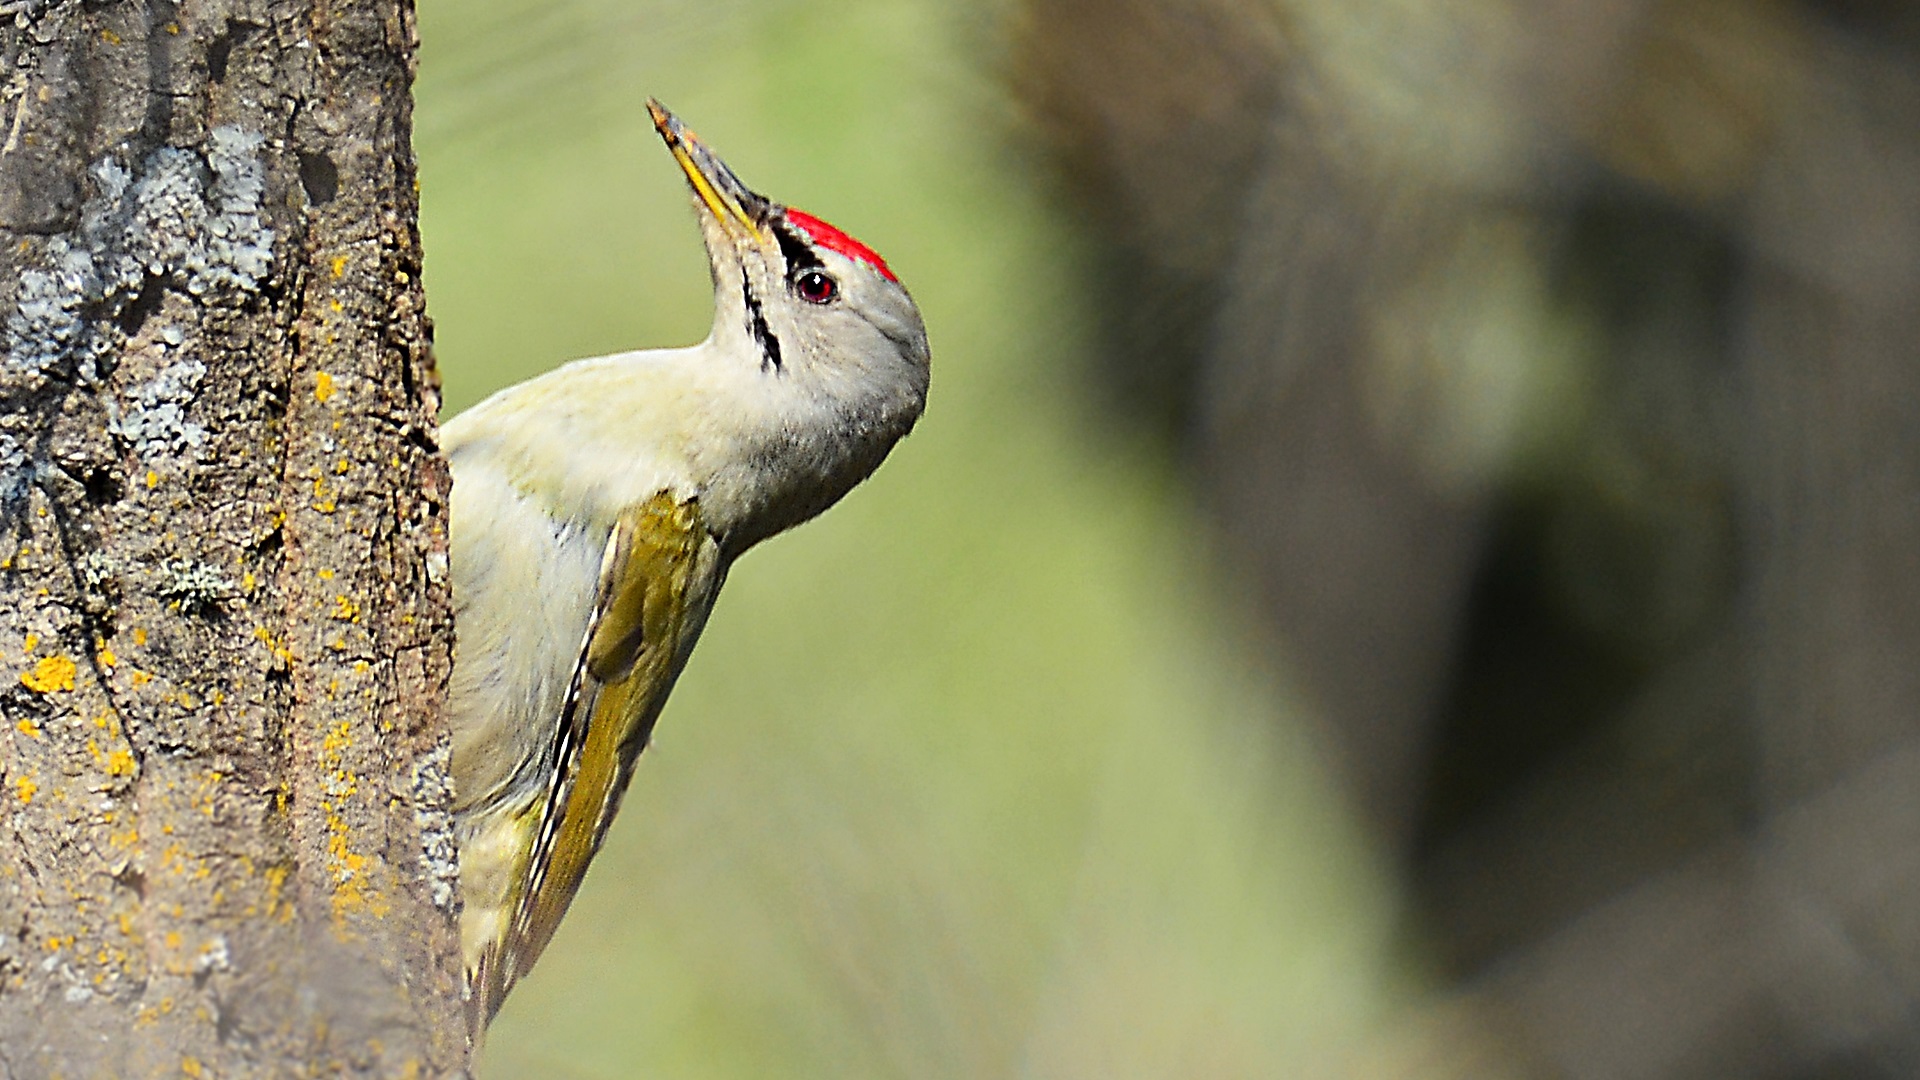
(757, 326)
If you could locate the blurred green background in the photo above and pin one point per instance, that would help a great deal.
(976, 776)
(1409, 569)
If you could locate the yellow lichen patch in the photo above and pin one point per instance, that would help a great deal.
(28, 726)
(50, 674)
(248, 582)
(24, 788)
(326, 573)
(351, 895)
(345, 610)
(151, 1014)
(32, 642)
(274, 645)
(175, 860)
(141, 678)
(322, 387)
(110, 37)
(139, 635)
(120, 763)
(337, 306)
(191, 1067)
(339, 265)
(153, 479)
(338, 738)
(343, 466)
(347, 868)
(345, 863)
(277, 905)
(105, 656)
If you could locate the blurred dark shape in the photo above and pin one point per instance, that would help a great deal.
(1552, 374)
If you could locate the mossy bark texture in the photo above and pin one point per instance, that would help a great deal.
(224, 624)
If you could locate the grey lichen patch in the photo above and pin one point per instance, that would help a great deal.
(190, 222)
(432, 796)
(99, 573)
(213, 956)
(154, 418)
(239, 249)
(16, 476)
(48, 320)
(23, 12)
(196, 588)
(77, 989)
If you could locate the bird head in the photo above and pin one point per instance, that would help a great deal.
(802, 300)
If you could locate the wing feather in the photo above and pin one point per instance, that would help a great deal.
(658, 577)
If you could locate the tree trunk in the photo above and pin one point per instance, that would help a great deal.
(224, 624)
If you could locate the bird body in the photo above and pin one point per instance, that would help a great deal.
(596, 512)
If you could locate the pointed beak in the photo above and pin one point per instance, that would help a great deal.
(736, 208)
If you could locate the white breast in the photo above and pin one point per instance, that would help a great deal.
(523, 584)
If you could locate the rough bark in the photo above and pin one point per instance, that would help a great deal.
(224, 628)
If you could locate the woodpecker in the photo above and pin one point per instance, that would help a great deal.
(596, 511)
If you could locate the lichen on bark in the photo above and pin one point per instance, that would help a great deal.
(224, 627)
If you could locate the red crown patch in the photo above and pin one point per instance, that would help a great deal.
(834, 240)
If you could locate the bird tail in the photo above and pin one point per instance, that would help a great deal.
(493, 857)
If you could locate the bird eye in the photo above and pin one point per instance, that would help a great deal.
(815, 287)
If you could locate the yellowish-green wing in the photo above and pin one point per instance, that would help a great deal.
(658, 578)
